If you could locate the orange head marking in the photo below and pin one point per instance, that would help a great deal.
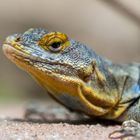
(54, 42)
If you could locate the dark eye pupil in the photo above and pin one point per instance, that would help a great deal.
(56, 45)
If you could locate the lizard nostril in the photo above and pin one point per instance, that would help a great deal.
(17, 39)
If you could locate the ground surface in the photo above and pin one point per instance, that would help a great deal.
(58, 124)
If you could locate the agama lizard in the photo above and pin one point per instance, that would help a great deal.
(76, 76)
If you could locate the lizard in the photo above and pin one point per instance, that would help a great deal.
(76, 76)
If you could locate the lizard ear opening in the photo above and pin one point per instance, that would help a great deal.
(54, 42)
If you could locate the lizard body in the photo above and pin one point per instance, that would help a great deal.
(76, 76)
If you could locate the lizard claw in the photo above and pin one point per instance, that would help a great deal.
(130, 129)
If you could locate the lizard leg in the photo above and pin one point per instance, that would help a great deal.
(42, 111)
(35, 110)
(130, 129)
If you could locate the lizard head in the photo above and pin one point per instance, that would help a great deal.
(49, 52)
(70, 71)
(60, 64)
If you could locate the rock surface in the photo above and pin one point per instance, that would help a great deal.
(58, 125)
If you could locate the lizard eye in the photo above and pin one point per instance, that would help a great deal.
(55, 46)
(54, 42)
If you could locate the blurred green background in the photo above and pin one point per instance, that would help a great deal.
(110, 27)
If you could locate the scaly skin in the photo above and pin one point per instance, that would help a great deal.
(76, 76)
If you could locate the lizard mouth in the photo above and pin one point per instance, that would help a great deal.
(14, 53)
(25, 60)
(13, 50)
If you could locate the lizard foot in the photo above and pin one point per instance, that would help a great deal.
(130, 130)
